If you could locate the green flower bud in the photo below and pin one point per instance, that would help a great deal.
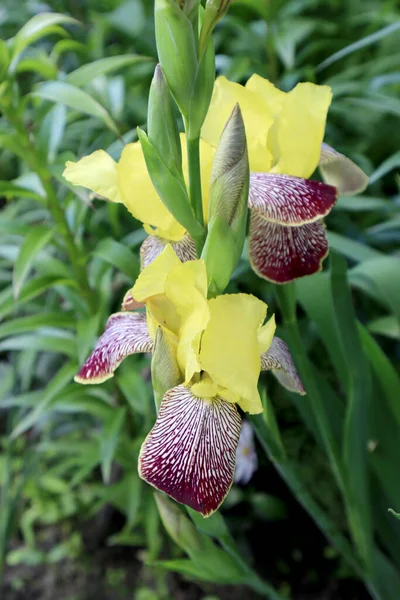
(215, 10)
(191, 10)
(165, 372)
(227, 209)
(162, 128)
(170, 187)
(179, 527)
(203, 88)
(177, 50)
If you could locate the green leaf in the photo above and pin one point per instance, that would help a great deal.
(37, 27)
(88, 72)
(109, 441)
(10, 190)
(380, 279)
(363, 43)
(120, 257)
(393, 162)
(350, 248)
(75, 98)
(388, 326)
(355, 432)
(395, 514)
(384, 371)
(32, 322)
(58, 383)
(34, 242)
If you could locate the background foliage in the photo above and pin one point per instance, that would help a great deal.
(75, 81)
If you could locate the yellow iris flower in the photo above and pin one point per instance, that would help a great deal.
(229, 327)
(128, 182)
(218, 348)
(284, 130)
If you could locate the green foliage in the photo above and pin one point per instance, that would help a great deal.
(69, 84)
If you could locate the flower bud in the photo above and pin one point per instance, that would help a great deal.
(162, 128)
(179, 527)
(203, 88)
(214, 11)
(165, 372)
(191, 9)
(177, 50)
(227, 209)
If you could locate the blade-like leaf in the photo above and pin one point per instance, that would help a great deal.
(119, 256)
(88, 72)
(36, 239)
(75, 98)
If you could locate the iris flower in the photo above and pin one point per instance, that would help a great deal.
(128, 182)
(284, 136)
(219, 346)
(285, 143)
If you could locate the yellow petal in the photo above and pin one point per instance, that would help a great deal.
(97, 172)
(266, 334)
(256, 117)
(205, 388)
(186, 288)
(151, 280)
(230, 350)
(300, 129)
(139, 195)
(271, 96)
(206, 158)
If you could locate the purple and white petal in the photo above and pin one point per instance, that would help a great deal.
(288, 200)
(281, 254)
(338, 170)
(153, 245)
(279, 360)
(125, 334)
(190, 452)
(246, 457)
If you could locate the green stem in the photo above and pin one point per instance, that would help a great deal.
(74, 253)
(193, 152)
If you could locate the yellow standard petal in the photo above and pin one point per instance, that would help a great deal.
(97, 172)
(186, 288)
(257, 120)
(151, 280)
(140, 197)
(300, 129)
(230, 351)
(266, 334)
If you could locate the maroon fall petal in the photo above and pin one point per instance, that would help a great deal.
(279, 360)
(281, 254)
(125, 334)
(190, 452)
(153, 245)
(288, 200)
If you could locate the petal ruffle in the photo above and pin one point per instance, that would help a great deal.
(97, 172)
(125, 334)
(153, 245)
(190, 452)
(278, 359)
(281, 254)
(288, 200)
(340, 171)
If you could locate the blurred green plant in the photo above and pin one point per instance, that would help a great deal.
(64, 266)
